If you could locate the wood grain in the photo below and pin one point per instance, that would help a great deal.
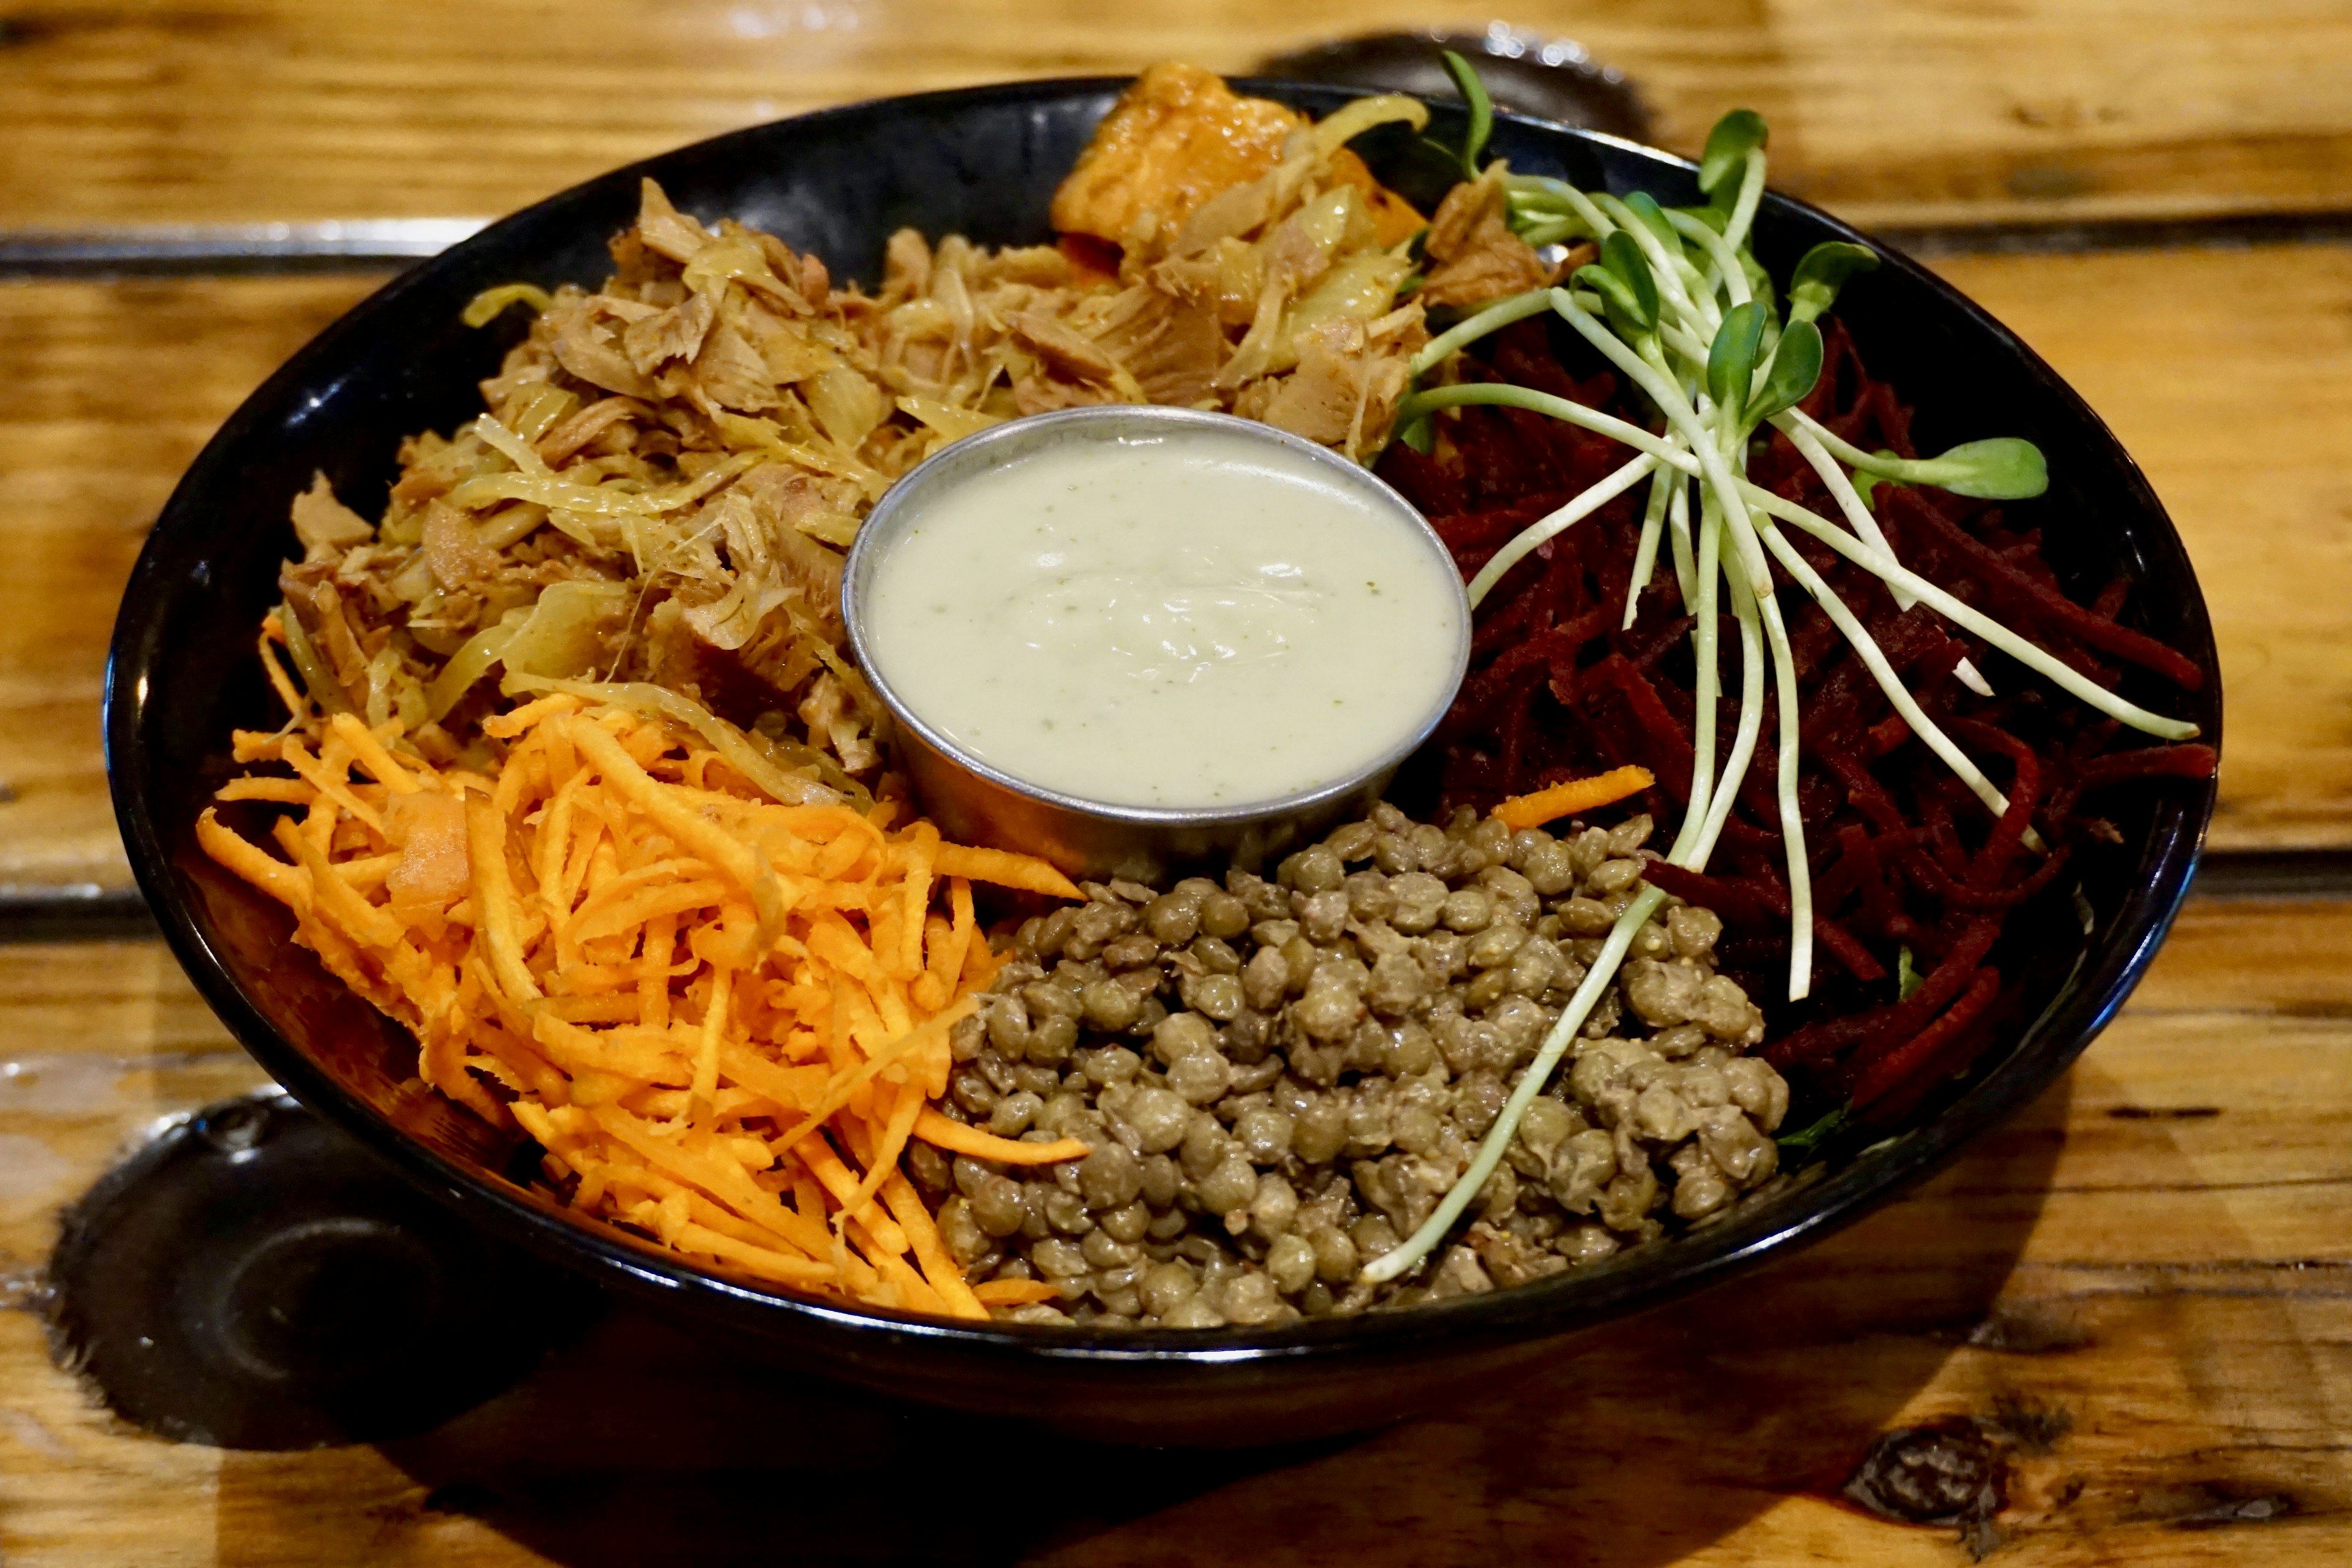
(2134, 1291)
(2228, 374)
(108, 389)
(97, 1042)
(1911, 111)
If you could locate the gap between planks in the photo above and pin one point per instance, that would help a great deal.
(199, 251)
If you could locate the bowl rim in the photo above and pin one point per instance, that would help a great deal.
(1564, 1304)
(873, 542)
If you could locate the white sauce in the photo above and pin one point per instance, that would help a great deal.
(1197, 621)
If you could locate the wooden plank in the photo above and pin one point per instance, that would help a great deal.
(1912, 111)
(97, 1042)
(2137, 1287)
(107, 391)
(2228, 373)
(2228, 955)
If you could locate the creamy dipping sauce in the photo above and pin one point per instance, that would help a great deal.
(1197, 620)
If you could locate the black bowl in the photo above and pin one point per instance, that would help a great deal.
(984, 162)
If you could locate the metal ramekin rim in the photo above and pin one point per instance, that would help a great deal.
(874, 537)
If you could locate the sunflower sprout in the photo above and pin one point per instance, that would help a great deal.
(1751, 713)
(1707, 345)
(1470, 329)
(1970, 618)
(2001, 468)
(1646, 554)
(1528, 539)
(1798, 429)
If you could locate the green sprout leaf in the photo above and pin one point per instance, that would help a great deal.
(1798, 1147)
(1622, 304)
(1530, 209)
(1643, 205)
(1622, 278)
(1482, 110)
(2005, 467)
(1796, 365)
(1906, 978)
(1731, 360)
(1822, 272)
(1735, 136)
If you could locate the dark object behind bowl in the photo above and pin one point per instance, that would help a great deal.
(1549, 78)
(985, 161)
(253, 1279)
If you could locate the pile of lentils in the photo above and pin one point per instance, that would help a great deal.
(1279, 1079)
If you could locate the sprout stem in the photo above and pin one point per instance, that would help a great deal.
(1838, 446)
(1726, 260)
(1417, 404)
(1968, 616)
(1646, 554)
(1678, 532)
(1798, 429)
(1668, 267)
(1409, 1254)
(1884, 673)
(1680, 413)
(1470, 329)
(1683, 341)
(1792, 822)
(1535, 533)
(1708, 685)
(1601, 224)
(1550, 231)
(1752, 195)
(1751, 720)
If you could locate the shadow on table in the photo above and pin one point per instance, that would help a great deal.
(1647, 1441)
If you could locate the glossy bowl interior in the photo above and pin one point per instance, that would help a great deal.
(984, 162)
(975, 802)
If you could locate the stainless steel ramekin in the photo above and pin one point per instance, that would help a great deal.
(974, 803)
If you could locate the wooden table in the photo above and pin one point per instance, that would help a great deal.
(2139, 1293)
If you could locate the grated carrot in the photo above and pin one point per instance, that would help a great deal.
(1566, 799)
(284, 792)
(370, 753)
(722, 1017)
(943, 1133)
(1006, 869)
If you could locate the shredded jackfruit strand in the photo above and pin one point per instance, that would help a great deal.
(1346, 123)
(754, 757)
(317, 679)
(469, 664)
(484, 306)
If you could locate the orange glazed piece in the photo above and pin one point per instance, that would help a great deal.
(1174, 138)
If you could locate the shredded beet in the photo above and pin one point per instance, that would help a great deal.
(1903, 856)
